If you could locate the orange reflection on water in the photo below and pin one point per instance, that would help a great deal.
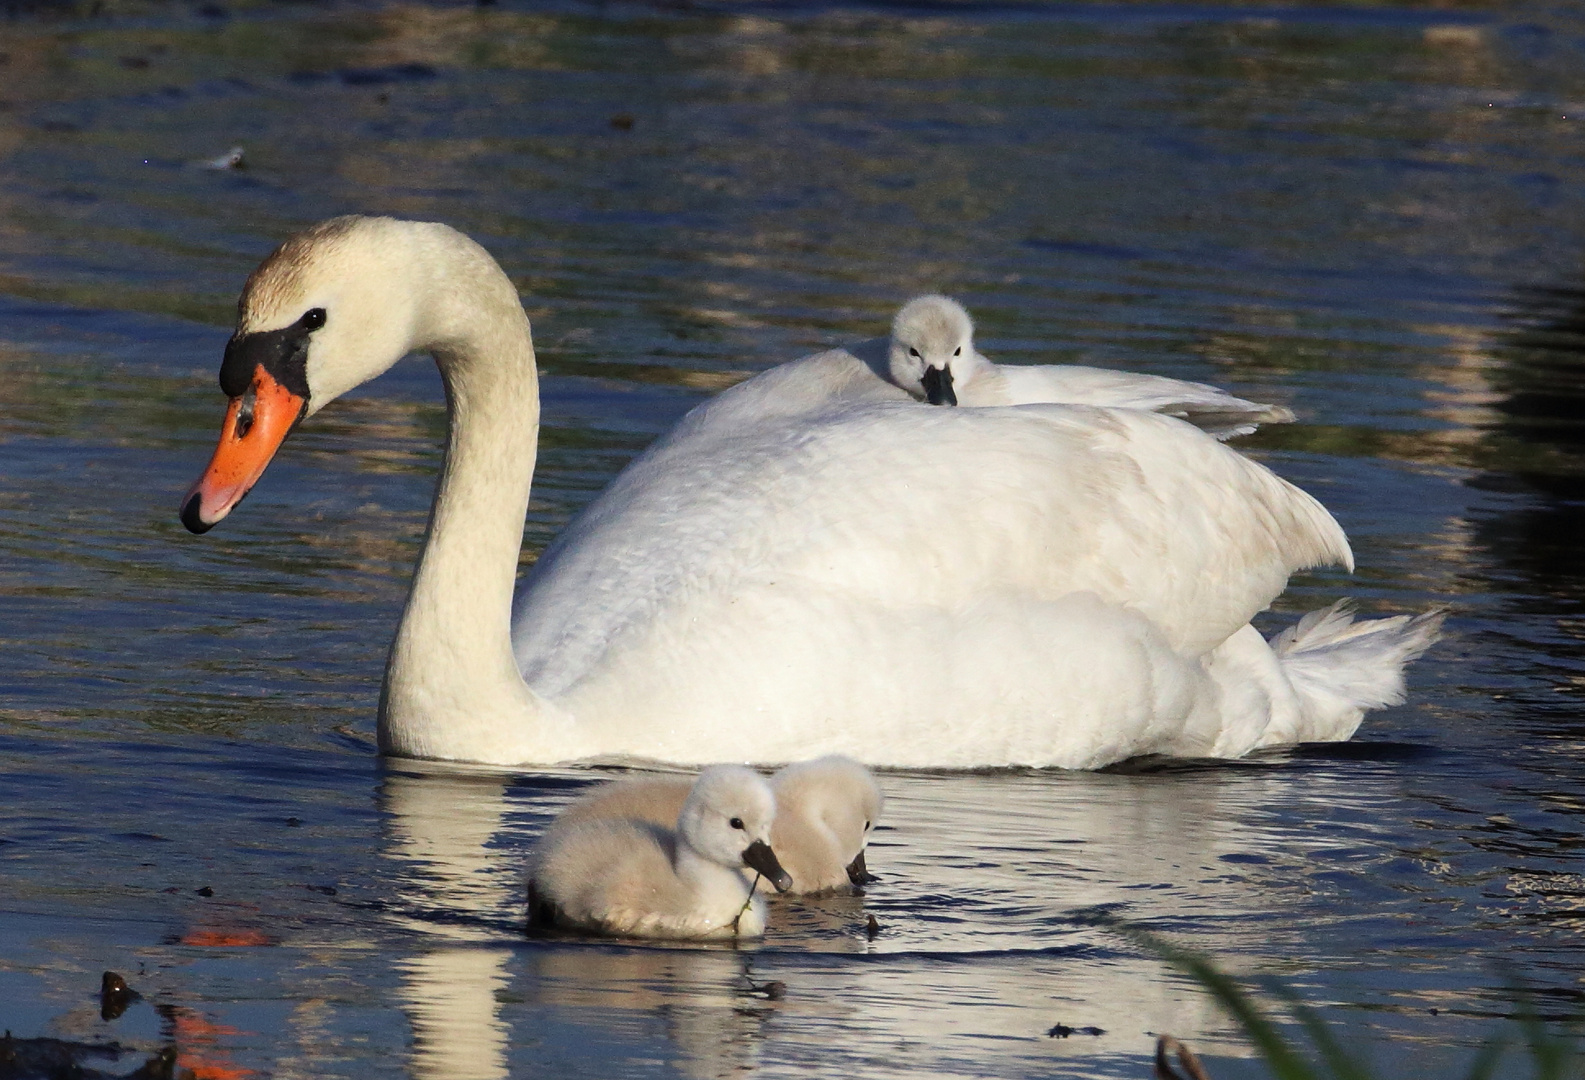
(200, 1045)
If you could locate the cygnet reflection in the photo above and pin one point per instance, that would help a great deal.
(710, 1007)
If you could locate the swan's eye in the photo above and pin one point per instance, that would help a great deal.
(958, 351)
(312, 319)
(736, 823)
(915, 354)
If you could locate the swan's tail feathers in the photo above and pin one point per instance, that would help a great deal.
(1340, 668)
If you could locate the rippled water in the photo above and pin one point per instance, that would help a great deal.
(1373, 214)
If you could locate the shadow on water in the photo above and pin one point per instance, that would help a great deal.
(1539, 442)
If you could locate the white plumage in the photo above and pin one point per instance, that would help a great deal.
(812, 563)
(692, 877)
(825, 811)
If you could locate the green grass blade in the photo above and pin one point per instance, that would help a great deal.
(1286, 1062)
(1485, 1063)
(1343, 1065)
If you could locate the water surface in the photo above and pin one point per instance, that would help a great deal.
(1370, 213)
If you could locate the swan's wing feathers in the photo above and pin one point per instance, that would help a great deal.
(893, 506)
(1208, 408)
(945, 506)
(1174, 525)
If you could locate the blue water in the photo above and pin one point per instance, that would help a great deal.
(1372, 214)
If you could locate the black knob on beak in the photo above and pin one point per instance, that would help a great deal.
(759, 856)
(938, 386)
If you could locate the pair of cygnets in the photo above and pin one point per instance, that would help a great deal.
(678, 857)
(932, 356)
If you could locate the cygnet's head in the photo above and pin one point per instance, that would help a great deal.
(727, 819)
(932, 343)
(842, 794)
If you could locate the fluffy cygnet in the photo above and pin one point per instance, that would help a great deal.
(633, 877)
(932, 356)
(825, 811)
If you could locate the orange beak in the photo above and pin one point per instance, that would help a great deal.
(257, 422)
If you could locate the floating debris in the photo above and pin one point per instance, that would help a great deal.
(622, 121)
(872, 928)
(771, 991)
(231, 159)
(1062, 1031)
(114, 996)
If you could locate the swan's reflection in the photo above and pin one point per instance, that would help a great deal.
(458, 893)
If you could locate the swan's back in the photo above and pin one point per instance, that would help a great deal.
(873, 503)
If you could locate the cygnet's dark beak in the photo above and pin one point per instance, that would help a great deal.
(858, 873)
(938, 386)
(759, 856)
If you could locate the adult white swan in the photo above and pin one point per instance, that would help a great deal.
(811, 563)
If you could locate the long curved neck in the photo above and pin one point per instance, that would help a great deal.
(452, 687)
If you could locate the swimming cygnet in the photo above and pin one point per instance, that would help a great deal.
(932, 356)
(825, 811)
(695, 878)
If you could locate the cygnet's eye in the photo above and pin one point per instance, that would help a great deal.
(736, 823)
(958, 351)
(915, 354)
(312, 319)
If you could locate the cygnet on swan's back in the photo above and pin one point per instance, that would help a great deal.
(637, 878)
(825, 810)
(931, 355)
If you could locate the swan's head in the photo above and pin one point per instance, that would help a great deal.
(727, 819)
(332, 307)
(839, 793)
(932, 344)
